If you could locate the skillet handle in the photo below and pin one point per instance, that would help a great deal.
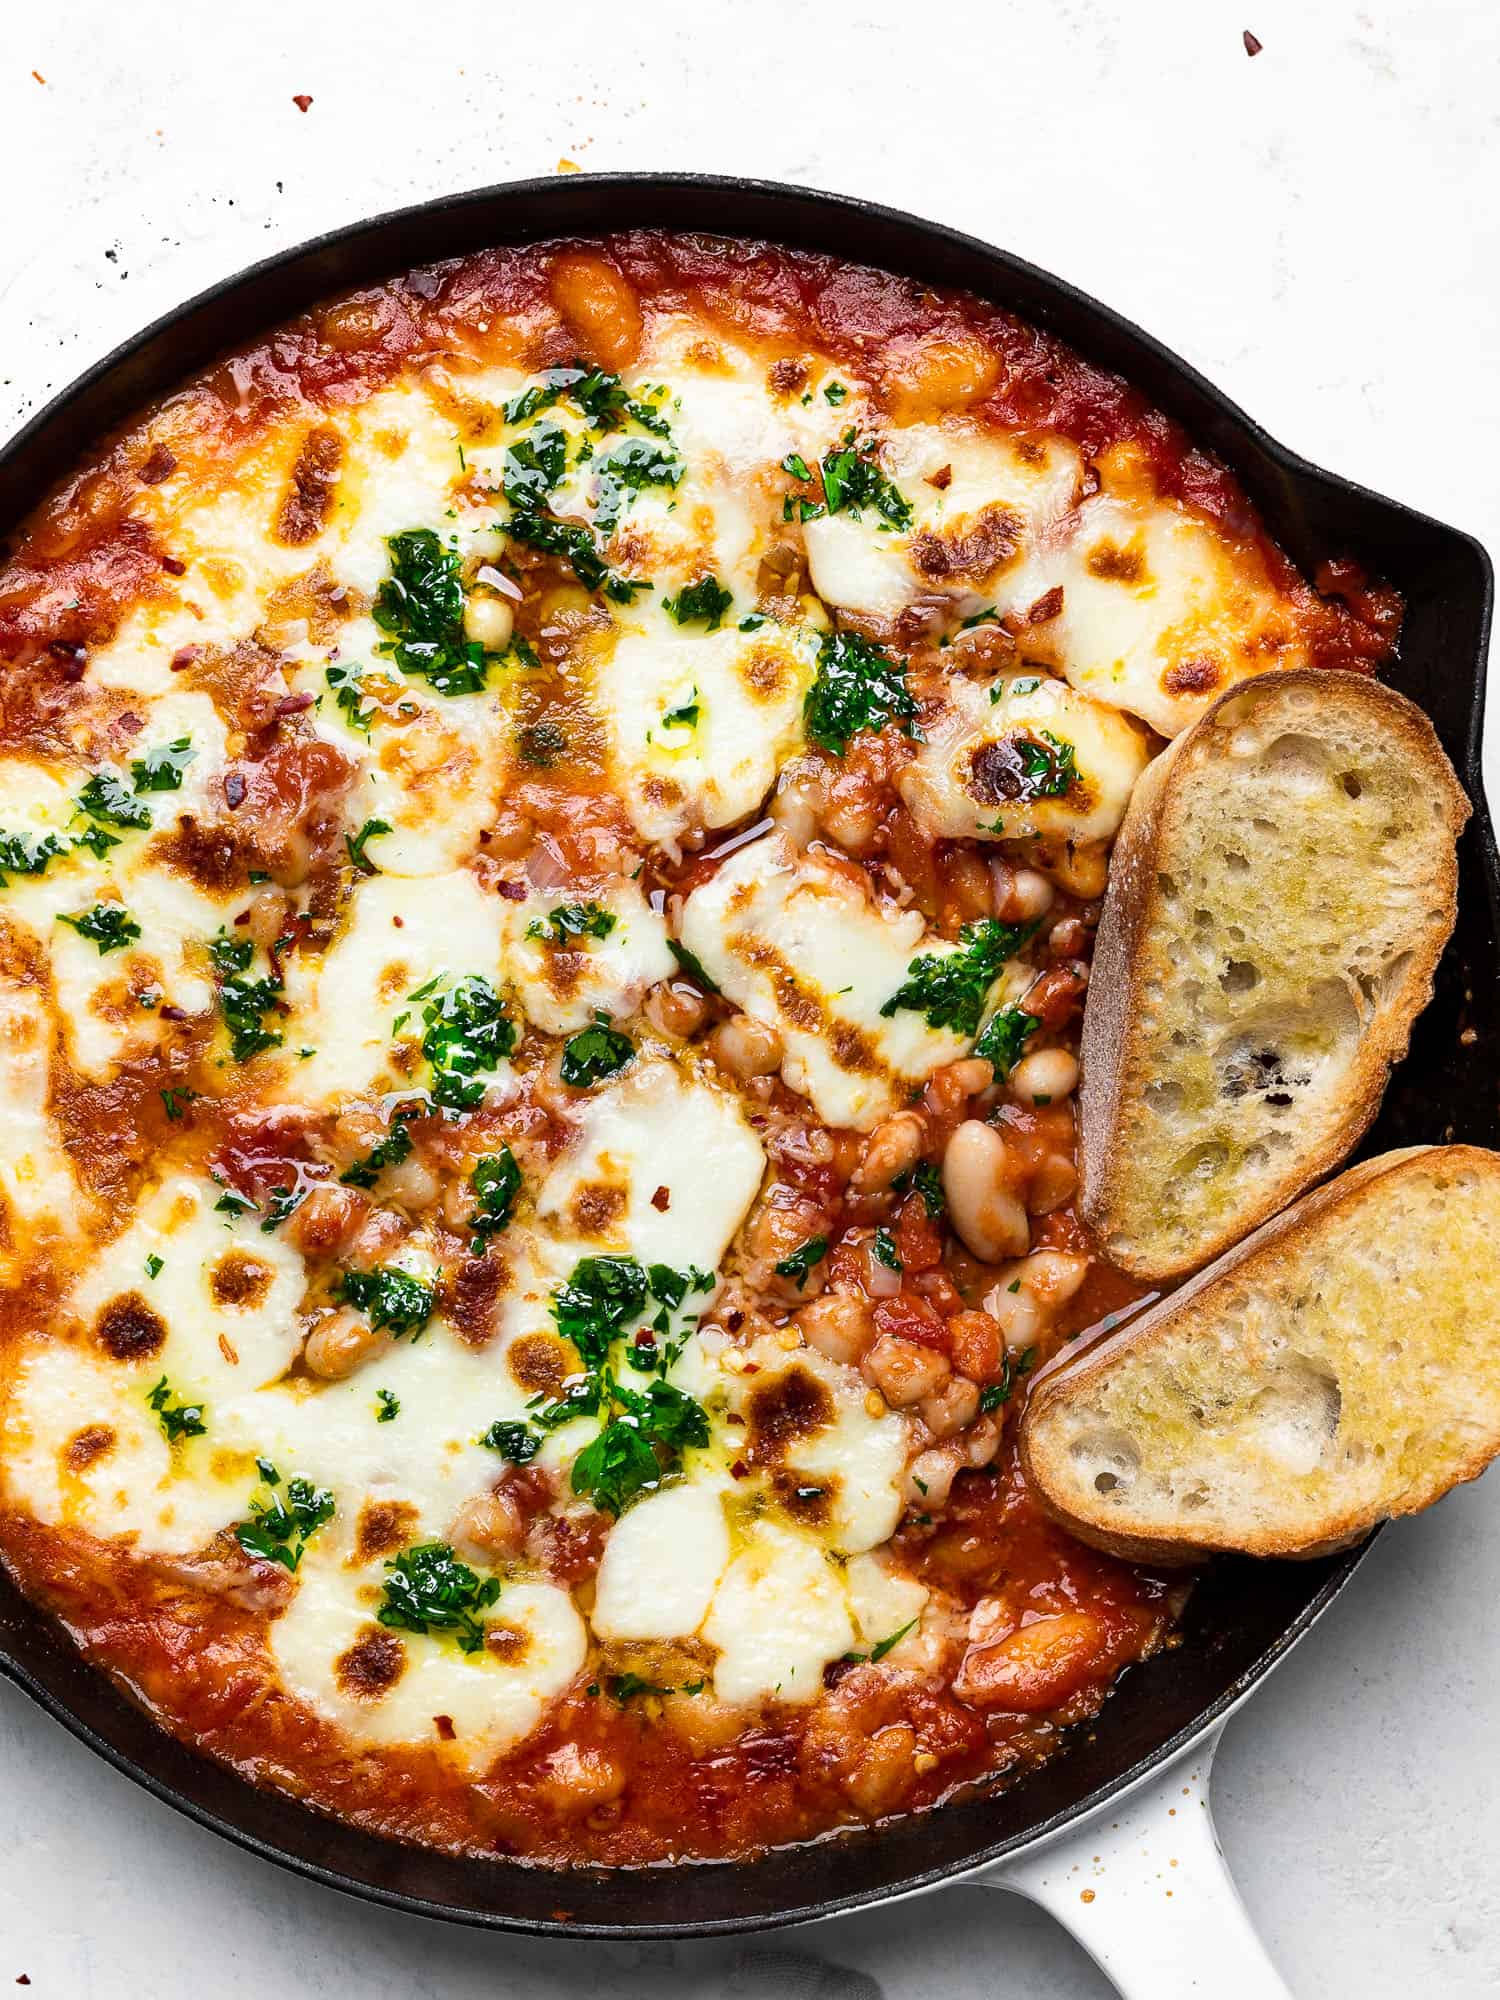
(1145, 1889)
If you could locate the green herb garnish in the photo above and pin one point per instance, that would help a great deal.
(595, 1053)
(853, 481)
(1003, 1037)
(356, 843)
(394, 1301)
(420, 608)
(105, 925)
(517, 1443)
(886, 1252)
(244, 1002)
(280, 1528)
(800, 1262)
(430, 1590)
(467, 1031)
(702, 603)
(389, 1406)
(857, 687)
(496, 1181)
(950, 988)
(177, 1420)
(572, 920)
(161, 770)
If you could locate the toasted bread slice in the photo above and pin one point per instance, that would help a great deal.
(1280, 894)
(1340, 1367)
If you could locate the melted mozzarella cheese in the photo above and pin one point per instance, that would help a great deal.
(401, 934)
(665, 1167)
(563, 985)
(795, 942)
(884, 1601)
(1161, 611)
(969, 780)
(661, 1565)
(81, 1447)
(743, 694)
(488, 1700)
(969, 537)
(39, 1195)
(779, 1616)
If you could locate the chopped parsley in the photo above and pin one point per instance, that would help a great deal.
(175, 1100)
(835, 392)
(800, 1262)
(430, 1590)
(853, 481)
(244, 1002)
(29, 853)
(387, 1152)
(1036, 767)
(629, 468)
(105, 925)
(1002, 1038)
(177, 1420)
(467, 1031)
(691, 964)
(161, 770)
(496, 1181)
(686, 714)
(602, 397)
(949, 989)
(574, 544)
(595, 1053)
(420, 608)
(928, 1183)
(700, 603)
(639, 1445)
(572, 920)
(106, 797)
(597, 1302)
(994, 1394)
(533, 465)
(280, 1527)
(231, 1202)
(389, 1406)
(154, 1266)
(349, 697)
(356, 843)
(517, 1443)
(857, 687)
(394, 1301)
(283, 1201)
(883, 1646)
(886, 1252)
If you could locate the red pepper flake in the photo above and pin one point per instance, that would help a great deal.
(443, 1724)
(171, 1013)
(173, 567)
(304, 103)
(23, 1980)
(513, 892)
(739, 1470)
(1046, 608)
(160, 464)
(661, 1201)
(942, 479)
(234, 789)
(243, 917)
(183, 658)
(291, 704)
(129, 724)
(399, 923)
(1253, 43)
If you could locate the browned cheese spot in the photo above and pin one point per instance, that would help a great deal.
(787, 1407)
(541, 1362)
(991, 539)
(470, 1297)
(1000, 775)
(239, 1279)
(315, 599)
(372, 1665)
(1116, 565)
(1192, 677)
(765, 672)
(597, 1206)
(806, 1498)
(130, 1330)
(87, 1446)
(787, 376)
(510, 1643)
(384, 1526)
(308, 499)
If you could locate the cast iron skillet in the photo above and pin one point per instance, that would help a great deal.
(1242, 1617)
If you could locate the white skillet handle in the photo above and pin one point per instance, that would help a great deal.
(1146, 1891)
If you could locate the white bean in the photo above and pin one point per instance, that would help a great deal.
(981, 1205)
(930, 1476)
(838, 1325)
(488, 1525)
(903, 1371)
(489, 620)
(892, 1149)
(342, 1344)
(1029, 1293)
(1046, 1076)
(746, 1047)
(954, 1406)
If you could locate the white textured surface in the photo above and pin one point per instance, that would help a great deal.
(1317, 230)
